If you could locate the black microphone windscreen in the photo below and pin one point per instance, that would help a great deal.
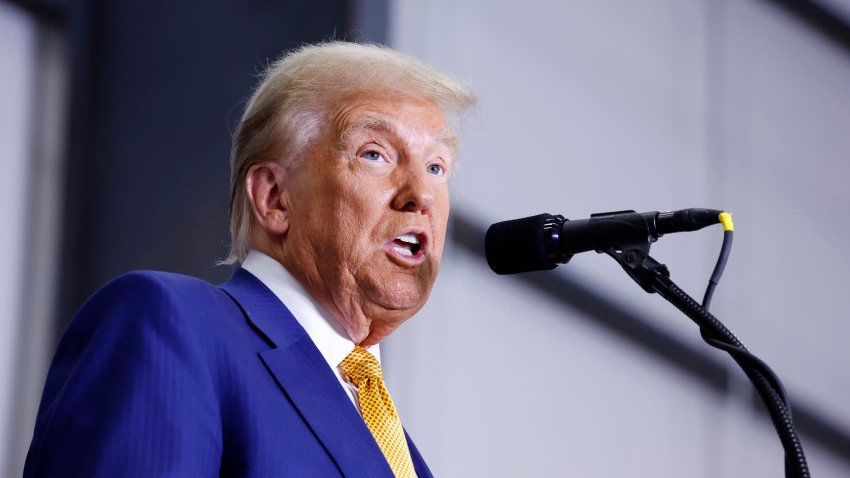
(518, 246)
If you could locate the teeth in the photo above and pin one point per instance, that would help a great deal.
(408, 238)
(403, 251)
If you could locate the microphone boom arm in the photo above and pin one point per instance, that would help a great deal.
(653, 276)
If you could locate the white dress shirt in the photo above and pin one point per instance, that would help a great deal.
(324, 330)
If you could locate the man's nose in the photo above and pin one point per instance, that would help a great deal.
(415, 189)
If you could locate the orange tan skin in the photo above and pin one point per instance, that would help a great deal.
(377, 170)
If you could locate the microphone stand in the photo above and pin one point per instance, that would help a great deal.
(653, 276)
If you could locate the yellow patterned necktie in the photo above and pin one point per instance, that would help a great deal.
(362, 370)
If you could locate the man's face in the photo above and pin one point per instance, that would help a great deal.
(368, 208)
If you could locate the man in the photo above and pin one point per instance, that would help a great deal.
(339, 208)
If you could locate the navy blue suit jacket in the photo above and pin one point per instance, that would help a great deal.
(166, 375)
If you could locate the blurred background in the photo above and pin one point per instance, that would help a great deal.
(115, 132)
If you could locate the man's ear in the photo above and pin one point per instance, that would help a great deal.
(264, 187)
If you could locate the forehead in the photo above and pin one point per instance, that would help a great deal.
(412, 120)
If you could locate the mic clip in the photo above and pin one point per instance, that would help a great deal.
(643, 269)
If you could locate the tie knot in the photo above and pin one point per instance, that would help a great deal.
(359, 366)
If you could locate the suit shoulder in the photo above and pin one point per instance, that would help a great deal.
(158, 286)
(134, 366)
(146, 280)
(151, 296)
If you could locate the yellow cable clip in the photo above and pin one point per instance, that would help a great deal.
(726, 221)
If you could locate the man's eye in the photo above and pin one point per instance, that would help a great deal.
(436, 169)
(372, 156)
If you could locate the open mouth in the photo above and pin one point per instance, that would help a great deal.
(407, 245)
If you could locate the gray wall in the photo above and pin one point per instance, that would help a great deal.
(590, 106)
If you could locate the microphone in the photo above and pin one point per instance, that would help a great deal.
(542, 242)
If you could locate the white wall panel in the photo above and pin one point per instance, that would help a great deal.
(787, 151)
(17, 57)
(590, 106)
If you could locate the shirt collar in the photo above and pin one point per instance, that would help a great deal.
(323, 328)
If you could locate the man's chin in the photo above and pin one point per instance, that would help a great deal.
(399, 304)
(388, 315)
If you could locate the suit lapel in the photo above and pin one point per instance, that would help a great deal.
(325, 406)
(305, 377)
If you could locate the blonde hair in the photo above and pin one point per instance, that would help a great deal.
(297, 92)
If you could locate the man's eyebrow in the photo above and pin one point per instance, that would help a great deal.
(382, 123)
(448, 138)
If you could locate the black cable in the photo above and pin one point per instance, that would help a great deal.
(725, 249)
(742, 354)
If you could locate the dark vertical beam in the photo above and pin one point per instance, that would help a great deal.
(74, 255)
(156, 89)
